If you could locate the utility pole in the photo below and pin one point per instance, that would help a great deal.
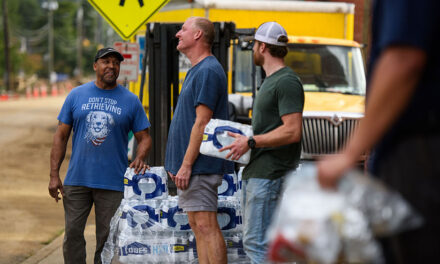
(98, 30)
(79, 19)
(7, 79)
(50, 5)
(50, 69)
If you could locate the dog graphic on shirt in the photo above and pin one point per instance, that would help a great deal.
(98, 126)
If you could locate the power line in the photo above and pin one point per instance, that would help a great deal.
(34, 38)
(23, 32)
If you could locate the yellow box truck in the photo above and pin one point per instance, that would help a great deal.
(321, 51)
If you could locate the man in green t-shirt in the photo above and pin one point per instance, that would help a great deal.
(276, 144)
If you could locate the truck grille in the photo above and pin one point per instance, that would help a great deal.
(325, 135)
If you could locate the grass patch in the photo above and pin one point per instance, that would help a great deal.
(57, 234)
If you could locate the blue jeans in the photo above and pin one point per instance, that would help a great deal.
(260, 198)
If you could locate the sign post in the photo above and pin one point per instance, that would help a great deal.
(130, 66)
(127, 16)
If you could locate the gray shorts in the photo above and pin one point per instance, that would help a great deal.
(201, 194)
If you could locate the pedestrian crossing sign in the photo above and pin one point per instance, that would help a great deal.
(127, 16)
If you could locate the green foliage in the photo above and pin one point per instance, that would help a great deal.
(28, 37)
(65, 37)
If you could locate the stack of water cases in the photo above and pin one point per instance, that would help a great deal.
(149, 227)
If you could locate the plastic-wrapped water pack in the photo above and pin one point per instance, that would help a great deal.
(327, 226)
(110, 247)
(386, 211)
(216, 136)
(151, 184)
(229, 185)
(303, 226)
(161, 248)
(234, 247)
(173, 217)
(239, 182)
(140, 217)
(229, 215)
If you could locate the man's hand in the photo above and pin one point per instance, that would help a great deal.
(332, 168)
(172, 176)
(238, 147)
(181, 179)
(139, 166)
(56, 187)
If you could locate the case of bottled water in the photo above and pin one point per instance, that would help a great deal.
(173, 217)
(216, 136)
(138, 216)
(239, 182)
(161, 248)
(229, 185)
(150, 185)
(234, 247)
(329, 226)
(229, 213)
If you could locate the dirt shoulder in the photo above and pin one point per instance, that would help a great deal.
(29, 218)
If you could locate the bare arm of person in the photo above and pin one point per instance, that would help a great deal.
(289, 132)
(393, 83)
(57, 155)
(203, 115)
(143, 139)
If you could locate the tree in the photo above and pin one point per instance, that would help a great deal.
(28, 24)
(7, 82)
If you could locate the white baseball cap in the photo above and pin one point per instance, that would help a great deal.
(270, 32)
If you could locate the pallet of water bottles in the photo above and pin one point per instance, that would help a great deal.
(149, 226)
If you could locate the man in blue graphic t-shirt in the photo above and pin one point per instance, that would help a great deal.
(101, 114)
(203, 96)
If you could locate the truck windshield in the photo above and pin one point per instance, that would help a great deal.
(322, 68)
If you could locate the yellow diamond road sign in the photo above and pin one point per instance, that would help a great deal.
(127, 16)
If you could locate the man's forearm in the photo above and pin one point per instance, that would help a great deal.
(203, 115)
(57, 156)
(59, 147)
(144, 146)
(289, 132)
(393, 83)
(196, 137)
(277, 137)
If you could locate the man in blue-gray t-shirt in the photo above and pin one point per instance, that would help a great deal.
(101, 114)
(203, 96)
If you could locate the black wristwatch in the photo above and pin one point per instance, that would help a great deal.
(251, 142)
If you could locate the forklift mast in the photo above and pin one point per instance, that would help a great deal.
(162, 62)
